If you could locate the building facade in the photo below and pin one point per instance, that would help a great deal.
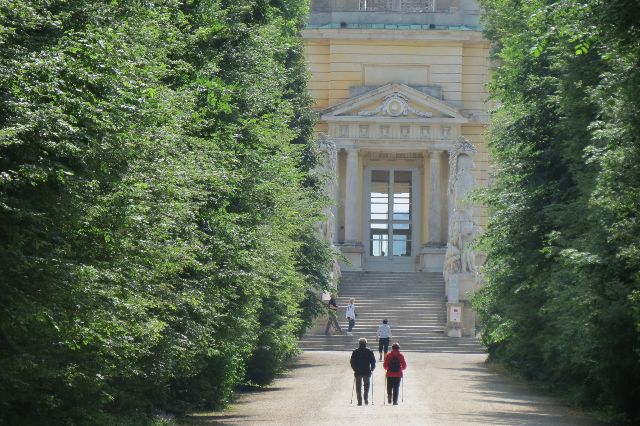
(399, 87)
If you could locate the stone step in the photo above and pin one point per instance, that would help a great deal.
(432, 343)
(413, 303)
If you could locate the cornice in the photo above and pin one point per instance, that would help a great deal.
(392, 34)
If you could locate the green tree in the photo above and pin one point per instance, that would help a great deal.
(156, 204)
(561, 302)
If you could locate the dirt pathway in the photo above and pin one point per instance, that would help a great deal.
(440, 389)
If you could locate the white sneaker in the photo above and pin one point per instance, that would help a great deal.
(349, 333)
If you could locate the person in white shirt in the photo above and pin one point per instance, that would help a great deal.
(351, 315)
(383, 334)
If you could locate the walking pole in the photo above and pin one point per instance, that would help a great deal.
(352, 388)
(402, 389)
(384, 391)
(372, 388)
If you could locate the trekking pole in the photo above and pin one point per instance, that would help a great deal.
(352, 388)
(402, 390)
(384, 391)
(372, 388)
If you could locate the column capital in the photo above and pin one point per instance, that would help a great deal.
(350, 149)
(435, 154)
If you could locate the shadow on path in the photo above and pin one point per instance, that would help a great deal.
(218, 420)
(441, 390)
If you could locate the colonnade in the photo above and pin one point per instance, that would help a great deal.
(432, 163)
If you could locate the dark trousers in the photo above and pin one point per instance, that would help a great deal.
(367, 381)
(332, 321)
(383, 344)
(352, 323)
(393, 388)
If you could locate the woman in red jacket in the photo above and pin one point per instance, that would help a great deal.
(394, 363)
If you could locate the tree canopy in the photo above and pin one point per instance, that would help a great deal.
(157, 204)
(562, 300)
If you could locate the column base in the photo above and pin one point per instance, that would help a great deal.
(354, 253)
(454, 319)
(469, 321)
(432, 258)
(468, 283)
(453, 331)
(461, 320)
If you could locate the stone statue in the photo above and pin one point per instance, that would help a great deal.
(452, 260)
(460, 256)
(460, 270)
(463, 179)
(328, 173)
(462, 231)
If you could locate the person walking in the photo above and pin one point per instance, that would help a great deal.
(351, 315)
(383, 334)
(395, 364)
(363, 362)
(332, 321)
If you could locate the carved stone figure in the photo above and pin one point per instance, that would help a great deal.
(462, 148)
(452, 260)
(460, 256)
(464, 181)
(461, 234)
(328, 172)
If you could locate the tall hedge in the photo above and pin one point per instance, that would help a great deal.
(156, 204)
(562, 300)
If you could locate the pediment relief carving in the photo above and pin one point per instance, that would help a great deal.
(393, 102)
(395, 105)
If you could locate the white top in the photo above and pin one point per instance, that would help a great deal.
(351, 311)
(384, 331)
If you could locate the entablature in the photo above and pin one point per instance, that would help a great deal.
(391, 114)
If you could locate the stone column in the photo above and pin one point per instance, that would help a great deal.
(435, 205)
(351, 197)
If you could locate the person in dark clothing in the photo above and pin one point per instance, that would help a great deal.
(383, 334)
(363, 362)
(332, 320)
(395, 364)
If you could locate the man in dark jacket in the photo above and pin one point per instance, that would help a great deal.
(363, 362)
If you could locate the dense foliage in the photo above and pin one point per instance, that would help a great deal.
(562, 300)
(157, 204)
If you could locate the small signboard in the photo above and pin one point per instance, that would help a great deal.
(456, 314)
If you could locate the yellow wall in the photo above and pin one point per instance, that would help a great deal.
(457, 62)
(460, 68)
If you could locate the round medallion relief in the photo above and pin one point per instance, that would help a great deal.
(395, 106)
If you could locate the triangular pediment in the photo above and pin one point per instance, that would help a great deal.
(393, 101)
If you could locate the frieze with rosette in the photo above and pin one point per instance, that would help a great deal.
(395, 105)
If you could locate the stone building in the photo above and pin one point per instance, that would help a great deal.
(399, 87)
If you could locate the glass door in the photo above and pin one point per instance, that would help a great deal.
(390, 214)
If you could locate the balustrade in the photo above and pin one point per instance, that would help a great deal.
(396, 5)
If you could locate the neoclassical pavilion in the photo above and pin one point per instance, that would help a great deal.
(399, 86)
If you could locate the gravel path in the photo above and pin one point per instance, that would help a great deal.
(440, 389)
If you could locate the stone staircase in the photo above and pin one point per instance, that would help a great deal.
(414, 304)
